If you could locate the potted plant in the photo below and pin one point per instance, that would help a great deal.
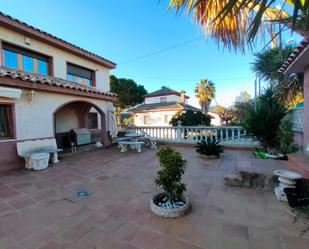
(171, 201)
(209, 148)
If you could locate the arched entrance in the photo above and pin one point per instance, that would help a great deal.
(79, 114)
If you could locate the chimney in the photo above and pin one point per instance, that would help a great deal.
(182, 97)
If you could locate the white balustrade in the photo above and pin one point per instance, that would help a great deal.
(226, 135)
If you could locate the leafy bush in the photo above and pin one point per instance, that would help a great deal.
(190, 118)
(209, 147)
(264, 120)
(285, 136)
(169, 176)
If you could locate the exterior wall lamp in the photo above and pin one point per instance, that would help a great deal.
(31, 96)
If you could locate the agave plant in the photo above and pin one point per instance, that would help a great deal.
(209, 147)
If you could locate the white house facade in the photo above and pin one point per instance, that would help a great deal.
(160, 106)
(49, 87)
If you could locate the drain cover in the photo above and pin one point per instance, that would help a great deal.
(82, 194)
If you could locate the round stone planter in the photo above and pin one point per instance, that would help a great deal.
(273, 156)
(210, 156)
(287, 179)
(169, 213)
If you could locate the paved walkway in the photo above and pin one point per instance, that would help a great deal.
(41, 210)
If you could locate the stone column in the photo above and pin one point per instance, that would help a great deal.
(306, 109)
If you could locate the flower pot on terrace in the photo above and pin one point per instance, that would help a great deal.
(168, 210)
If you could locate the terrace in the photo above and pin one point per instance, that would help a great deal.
(41, 209)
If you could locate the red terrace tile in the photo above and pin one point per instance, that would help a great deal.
(116, 214)
(5, 209)
(22, 202)
(52, 245)
(127, 231)
(7, 192)
(112, 243)
(103, 178)
(147, 239)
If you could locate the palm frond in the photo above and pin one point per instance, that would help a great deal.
(236, 23)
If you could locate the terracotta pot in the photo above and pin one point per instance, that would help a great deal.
(169, 213)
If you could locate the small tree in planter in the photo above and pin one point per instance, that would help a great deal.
(209, 148)
(171, 202)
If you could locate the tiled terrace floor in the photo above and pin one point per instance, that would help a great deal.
(40, 210)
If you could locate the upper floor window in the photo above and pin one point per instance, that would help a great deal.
(80, 75)
(24, 60)
(163, 99)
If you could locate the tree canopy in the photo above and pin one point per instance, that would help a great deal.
(267, 64)
(190, 118)
(205, 91)
(129, 92)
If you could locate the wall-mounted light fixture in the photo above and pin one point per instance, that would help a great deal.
(31, 96)
(27, 40)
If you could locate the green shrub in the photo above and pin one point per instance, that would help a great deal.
(264, 120)
(285, 136)
(209, 147)
(190, 118)
(169, 176)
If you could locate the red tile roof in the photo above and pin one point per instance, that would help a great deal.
(163, 92)
(163, 106)
(296, 53)
(51, 81)
(19, 26)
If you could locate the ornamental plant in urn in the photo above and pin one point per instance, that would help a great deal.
(209, 148)
(171, 202)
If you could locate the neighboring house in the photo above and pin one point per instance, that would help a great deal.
(298, 62)
(48, 87)
(160, 106)
(215, 118)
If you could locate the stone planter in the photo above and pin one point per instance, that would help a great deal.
(287, 179)
(278, 156)
(169, 213)
(210, 156)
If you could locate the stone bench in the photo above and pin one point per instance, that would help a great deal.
(133, 145)
(120, 139)
(29, 149)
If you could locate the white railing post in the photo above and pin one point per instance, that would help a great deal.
(193, 134)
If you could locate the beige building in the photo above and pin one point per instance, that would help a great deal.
(160, 106)
(49, 87)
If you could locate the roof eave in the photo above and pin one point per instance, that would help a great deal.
(294, 57)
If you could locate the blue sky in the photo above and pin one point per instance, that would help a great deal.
(126, 29)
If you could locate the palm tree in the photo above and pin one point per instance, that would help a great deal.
(205, 92)
(237, 23)
(266, 66)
